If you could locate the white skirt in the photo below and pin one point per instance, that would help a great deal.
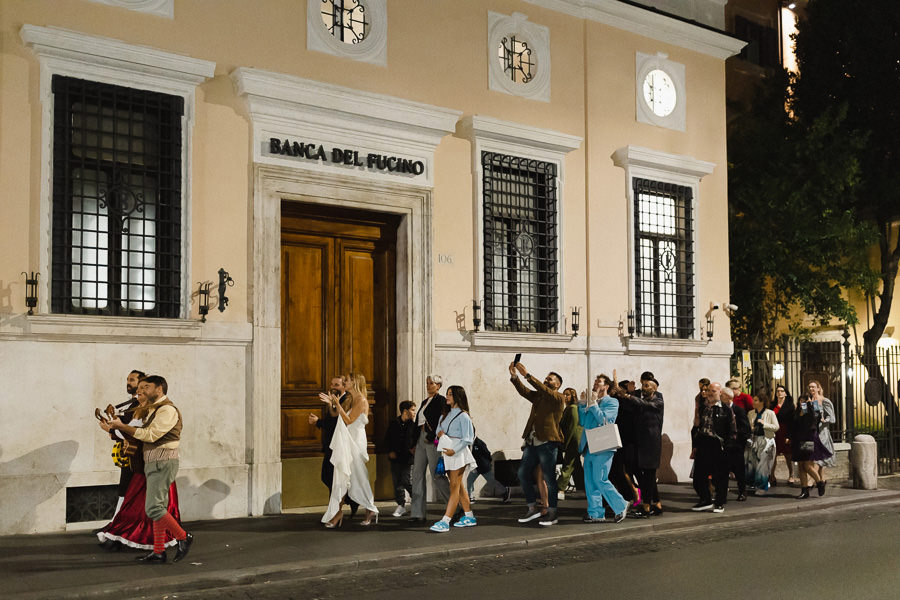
(459, 460)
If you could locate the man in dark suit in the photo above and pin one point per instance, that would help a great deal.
(734, 448)
(327, 423)
(425, 456)
(715, 428)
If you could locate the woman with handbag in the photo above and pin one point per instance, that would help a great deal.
(599, 410)
(823, 454)
(807, 417)
(455, 437)
(783, 407)
(760, 454)
(570, 457)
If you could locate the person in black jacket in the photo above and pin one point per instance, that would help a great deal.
(648, 421)
(425, 456)
(716, 427)
(400, 440)
(734, 447)
(327, 423)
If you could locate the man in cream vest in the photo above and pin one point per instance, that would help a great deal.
(160, 435)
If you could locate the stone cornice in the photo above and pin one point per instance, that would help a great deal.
(636, 156)
(517, 133)
(649, 24)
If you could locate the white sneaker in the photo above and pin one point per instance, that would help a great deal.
(399, 511)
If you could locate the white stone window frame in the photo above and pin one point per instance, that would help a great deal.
(107, 60)
(160, 8)
(537, 36)
(515, 139)
(644, 64)
(655, 165)
(373, 47)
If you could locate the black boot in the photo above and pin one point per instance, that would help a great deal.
(804, 493)
(183, 546)
(821, 487)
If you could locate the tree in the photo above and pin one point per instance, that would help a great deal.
(848, 54)
(795, 240)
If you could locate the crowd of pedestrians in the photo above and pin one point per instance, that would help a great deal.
(606, 441)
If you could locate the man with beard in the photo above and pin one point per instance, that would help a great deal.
(327, 423)
(542, 438)
(161, 435)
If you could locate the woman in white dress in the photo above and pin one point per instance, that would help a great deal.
(349, 456)
(456, 434)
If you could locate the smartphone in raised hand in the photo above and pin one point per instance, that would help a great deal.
(517, 358)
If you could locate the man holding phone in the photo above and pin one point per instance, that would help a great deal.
(542, 438)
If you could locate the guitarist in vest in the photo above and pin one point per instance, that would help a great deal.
(125, 410)
(160, 435)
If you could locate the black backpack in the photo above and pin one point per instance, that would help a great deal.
(482, 454)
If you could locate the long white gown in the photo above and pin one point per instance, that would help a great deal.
(349, 457)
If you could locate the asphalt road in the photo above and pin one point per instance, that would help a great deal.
(838, 553)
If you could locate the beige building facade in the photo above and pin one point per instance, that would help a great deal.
(366, 178)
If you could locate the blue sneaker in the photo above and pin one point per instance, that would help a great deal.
(466, 522)
(441, 527)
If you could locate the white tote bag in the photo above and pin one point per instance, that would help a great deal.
(603, 438)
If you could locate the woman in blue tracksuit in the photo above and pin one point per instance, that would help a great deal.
(597, 464)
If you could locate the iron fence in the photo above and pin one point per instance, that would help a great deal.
(863, 387)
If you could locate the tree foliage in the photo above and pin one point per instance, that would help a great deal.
(796, 240)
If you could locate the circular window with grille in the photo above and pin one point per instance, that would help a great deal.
(517, 59)
(346, 20)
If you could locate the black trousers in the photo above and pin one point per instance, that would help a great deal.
(646, 479)
(401, 476)
(736, 465)
(619, 478)
(710, 462)
(327, 476)
(125, 475)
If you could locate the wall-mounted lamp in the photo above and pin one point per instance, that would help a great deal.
(631, 326)
(224, 279)
(203, 300)
(476, 315)
(31, 282)
(576, 316)
(710, 325)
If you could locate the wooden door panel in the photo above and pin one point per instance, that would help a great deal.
(358, 311)
(296, 432)
(307, 310)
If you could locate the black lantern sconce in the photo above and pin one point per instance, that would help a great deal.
(631, 327)
(203, 300)
(476, 315)
(224, 280)
(31, 283)
(576, 316)
(710, 324)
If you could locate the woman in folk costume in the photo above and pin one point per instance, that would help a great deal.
(131, 526)
(597, 464)
(349, 456)
(760, 455)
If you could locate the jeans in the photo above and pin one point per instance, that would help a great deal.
(545, 455)
(488, 479)
(598, 487)
(400, 474)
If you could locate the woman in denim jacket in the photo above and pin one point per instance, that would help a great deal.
(455, 437)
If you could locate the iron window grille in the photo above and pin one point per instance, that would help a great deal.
(515, 58)
(520, 244)
(116, 200)
(664, 259)
(346, 20)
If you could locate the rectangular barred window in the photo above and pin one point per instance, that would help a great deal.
(520, 244)
(116, 200)
(664, 259)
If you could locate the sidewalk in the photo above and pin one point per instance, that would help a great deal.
(240, 551)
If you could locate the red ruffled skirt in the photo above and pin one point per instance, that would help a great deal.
(131, 525)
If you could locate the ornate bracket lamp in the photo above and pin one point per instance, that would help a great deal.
(203, 300)
(631, 327)
(224, 280)
(710, 324)
(576, 315)
(31, 282)
(476, 315)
